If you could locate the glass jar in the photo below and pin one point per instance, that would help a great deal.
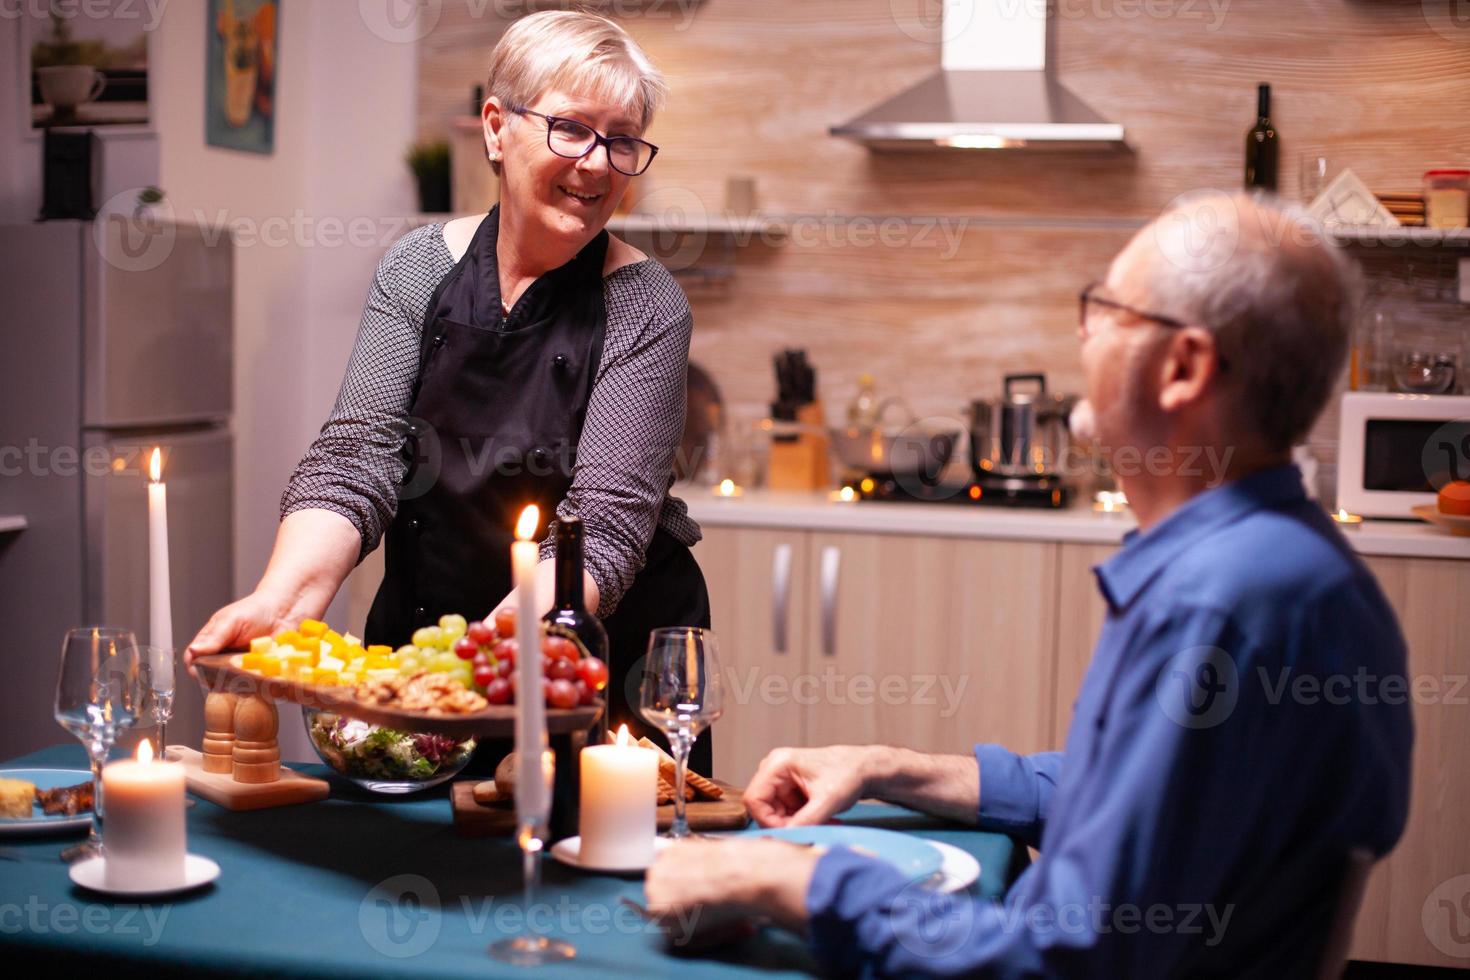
(1447, 198)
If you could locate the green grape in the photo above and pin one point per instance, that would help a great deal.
(409, 665)
(427, 636)
(407, 650)
(443, 662)
(453, 623)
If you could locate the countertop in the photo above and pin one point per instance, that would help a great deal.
(1080, 524)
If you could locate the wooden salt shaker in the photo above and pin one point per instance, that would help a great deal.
(257, 754)
(219, 732)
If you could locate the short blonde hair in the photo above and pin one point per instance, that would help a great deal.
(574, 52)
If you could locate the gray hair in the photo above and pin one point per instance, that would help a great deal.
(1278, 295)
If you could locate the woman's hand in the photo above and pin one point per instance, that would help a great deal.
(258, 614)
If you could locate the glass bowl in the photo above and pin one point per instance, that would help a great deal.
(383, 760)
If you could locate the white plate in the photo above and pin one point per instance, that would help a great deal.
(38, 822)
(569, 852)
(92, 873)
(960, 869)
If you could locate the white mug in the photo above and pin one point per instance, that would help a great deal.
(68, 86)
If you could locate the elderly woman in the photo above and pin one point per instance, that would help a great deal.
(530, 357)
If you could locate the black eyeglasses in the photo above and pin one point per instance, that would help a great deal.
(574, 140)
(1088, 297)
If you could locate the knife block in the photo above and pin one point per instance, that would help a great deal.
(801, 463)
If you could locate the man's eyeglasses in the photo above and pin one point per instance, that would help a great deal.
(574, 140)
(1088, 297)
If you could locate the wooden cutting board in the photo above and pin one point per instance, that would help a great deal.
(222, 672)
(221, 788)
(498, 818)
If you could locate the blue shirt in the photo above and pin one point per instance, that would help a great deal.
(1243, 725)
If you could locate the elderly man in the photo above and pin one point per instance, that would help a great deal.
(1198, 777)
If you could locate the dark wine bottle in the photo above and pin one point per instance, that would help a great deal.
(570, 611)
(1260, 145)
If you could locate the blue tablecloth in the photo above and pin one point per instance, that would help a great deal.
(367, 885)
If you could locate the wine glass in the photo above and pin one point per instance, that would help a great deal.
(682, 694)
(156, 666)
(98, 693)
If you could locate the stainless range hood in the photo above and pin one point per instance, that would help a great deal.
(993, 91)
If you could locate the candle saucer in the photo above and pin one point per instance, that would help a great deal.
(92, 874)
(569, 852)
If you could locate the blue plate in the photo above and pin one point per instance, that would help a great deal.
(38, 822)
(914, 857)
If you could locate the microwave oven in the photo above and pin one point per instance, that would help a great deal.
(1395, 451)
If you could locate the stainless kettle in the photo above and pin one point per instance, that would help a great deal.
(1022, 434)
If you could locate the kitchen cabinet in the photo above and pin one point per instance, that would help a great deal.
(1081, 610)
(933, 643)
(1406, 916)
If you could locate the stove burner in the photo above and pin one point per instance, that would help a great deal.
(1047, 492)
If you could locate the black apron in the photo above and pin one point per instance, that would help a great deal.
(497, 411)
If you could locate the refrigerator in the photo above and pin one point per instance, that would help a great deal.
(117, 337)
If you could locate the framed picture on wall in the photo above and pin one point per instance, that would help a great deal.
(241, 43)
(84, 65)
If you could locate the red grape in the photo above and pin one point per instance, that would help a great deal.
(562, 694)
(505, 622)
(505, 650)
(561, 669)
(482, 633)
(558, 646)
(484, 675)
(504, 668)
(466, 648)
(593, 672)
(482, 659)
(585, 694)
(499, 691)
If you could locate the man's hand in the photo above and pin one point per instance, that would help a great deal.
(801, 787)
(702, 887)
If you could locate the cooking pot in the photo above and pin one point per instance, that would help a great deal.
(916, 450)
(1023, 433)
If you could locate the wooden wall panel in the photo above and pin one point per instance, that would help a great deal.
(1369, 83)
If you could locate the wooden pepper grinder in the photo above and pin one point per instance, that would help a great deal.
(219, 732)
(257, 754)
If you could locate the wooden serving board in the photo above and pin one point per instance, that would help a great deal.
(222, 672)
(498, 819)
(221, 788)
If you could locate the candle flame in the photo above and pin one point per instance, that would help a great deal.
(155, 465)
(145, 751)
(526, 526)
(624, 738)
(727, 488)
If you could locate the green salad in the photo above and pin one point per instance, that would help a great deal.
(356, 748)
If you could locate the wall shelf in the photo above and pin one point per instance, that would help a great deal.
(1363, 236)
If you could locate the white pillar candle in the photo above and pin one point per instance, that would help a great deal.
(160, 603)
(533, 796)
(618, 821)
(143, 833)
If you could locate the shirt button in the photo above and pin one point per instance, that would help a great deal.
(559, 362)
(413, 523)
(540, 456)
(420, 614)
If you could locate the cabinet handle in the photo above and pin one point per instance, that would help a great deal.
(831, 566)
(781, 594)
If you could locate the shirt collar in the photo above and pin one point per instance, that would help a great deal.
(1146, 554)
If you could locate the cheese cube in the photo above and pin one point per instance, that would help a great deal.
(261, 644)
(312, 627)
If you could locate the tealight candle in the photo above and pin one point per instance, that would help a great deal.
(727, 488)
(618, 821)
(143, 835)
(1346, 520)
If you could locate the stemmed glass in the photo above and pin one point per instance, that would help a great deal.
(682, 694)
(98, 693)
(157, 668)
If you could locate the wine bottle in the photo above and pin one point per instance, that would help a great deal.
(1260, 145)
(570, 610)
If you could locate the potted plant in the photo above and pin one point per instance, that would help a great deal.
(430, 165)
